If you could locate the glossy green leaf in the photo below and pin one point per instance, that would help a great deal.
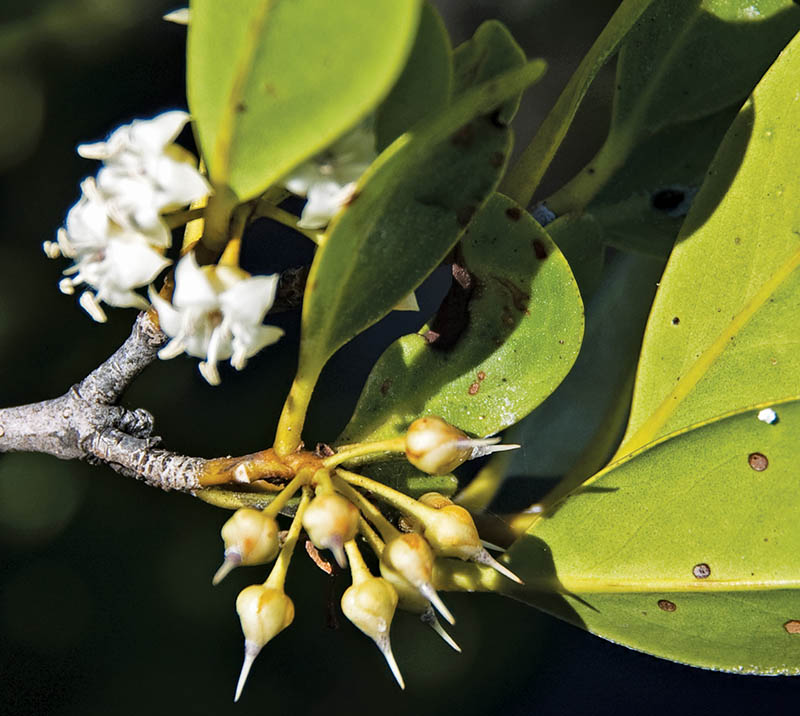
(489, 52)
(588, 410)
(687, 59)
(408, 211)
(643, 205)
(724, 331)
(688, 550)
(684, 60)
(425, 84)
(271, 82)
(523, 179)
(497, 347)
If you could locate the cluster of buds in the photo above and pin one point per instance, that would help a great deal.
(334, 511)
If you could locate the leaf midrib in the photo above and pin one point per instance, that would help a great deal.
(649, 429)
(225, 133)
(597, 585)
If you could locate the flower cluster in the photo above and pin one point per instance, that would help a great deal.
(116, 234)
(216, 314)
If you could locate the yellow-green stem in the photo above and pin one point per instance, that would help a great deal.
(358, 567)
(218, 218)
(277, 577)
(179, 218)
(270, 211)
(372, 513)
(392, 497)
(290, 426)
(371, 536)
(359, 449)
(302, 478)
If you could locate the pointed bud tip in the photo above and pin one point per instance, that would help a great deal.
(426, 590)
(227, 566)
(251, 651)
(386, 649)
(485, 558)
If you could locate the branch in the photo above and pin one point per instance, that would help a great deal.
(86, 422)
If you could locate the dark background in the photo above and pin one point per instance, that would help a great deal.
(105, 597)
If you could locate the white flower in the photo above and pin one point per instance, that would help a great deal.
(107, 257)
(216, 314)
(145, 174)
(328, 179)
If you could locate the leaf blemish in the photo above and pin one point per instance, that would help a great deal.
(481, 375)
(497, 159)
(701, 571)
(539, 249)
(514, 213)
(463, 137)
(758, 461)
(385, 386)
(474, 388)
(666, 606)
(792, 626)
(676, 321)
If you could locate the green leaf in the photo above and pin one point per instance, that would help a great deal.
(592, 402)
(643, 205)
(688, 550)
(724, 331)
(424, 86)
(684, 60)
(522, 181)
(489, 52)
(503, 343)
(687, 59)
(408, 211)
(271, 82)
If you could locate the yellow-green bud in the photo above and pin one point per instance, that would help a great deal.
(451, 532)
(436, 447)
(263, 612)
(250, 538)
(410, 557)
(436, 500)
(331, 520)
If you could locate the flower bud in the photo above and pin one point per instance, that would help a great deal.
(451, 532)
(436, 500)
(331, 520)
(250, 538)
(370, 605)
(263, 612)
(436, 447)
(410, 557)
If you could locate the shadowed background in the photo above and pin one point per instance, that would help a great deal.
(105, 597)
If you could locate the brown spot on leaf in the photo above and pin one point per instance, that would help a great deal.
(474, 388)
(452, 318)
(431, 336)
(792, 626)
(737, 240)
(464, 136)
(758, 461)
(481, 375)
(514, 213)
(666, 606)
(539, 249)
(701, 571)
(519, 298)
(385, 386)
(676, 321)
(241, 107)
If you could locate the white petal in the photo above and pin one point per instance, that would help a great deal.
(133, 263)
(179, 17)
(324, 201)
(150, 136)
(249, 300)
(168, 318)
(210, 373)
(193, 289)
(262, 337)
